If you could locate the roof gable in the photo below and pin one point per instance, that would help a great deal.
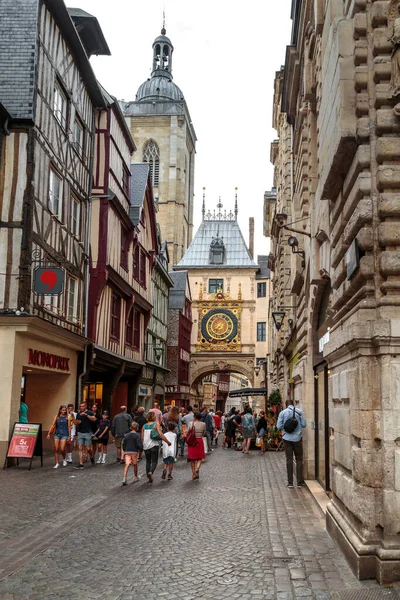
(236, 253)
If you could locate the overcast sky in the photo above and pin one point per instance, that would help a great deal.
(225, 58)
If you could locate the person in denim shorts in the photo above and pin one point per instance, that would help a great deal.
(61, 432)
(83, 422)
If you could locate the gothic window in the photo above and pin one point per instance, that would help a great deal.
(151, 155)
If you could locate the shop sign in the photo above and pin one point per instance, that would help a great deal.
(174, 389)
(147, 373)
(144, 391)
(38, 358)
(48, 281)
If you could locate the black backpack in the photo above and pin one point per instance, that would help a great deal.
(291, 423)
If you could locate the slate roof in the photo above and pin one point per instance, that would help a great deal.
(19, 24)
(159, 88)
(236, 252)
(177, 294)
(18, 57)
(90, 32)
(140, 174)
(264, 272)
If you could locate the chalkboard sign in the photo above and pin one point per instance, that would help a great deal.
(25, 442)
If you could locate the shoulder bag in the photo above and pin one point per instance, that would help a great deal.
(154, 435)
(291, 423)
(191, 436)
(53, 428)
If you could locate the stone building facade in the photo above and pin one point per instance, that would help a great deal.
(165, 138)
(334, 224)
(222, 276)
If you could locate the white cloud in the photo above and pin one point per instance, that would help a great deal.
(226, 55)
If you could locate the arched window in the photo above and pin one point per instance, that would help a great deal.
(151, 155)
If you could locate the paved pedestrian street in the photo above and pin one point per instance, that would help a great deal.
(237, 533)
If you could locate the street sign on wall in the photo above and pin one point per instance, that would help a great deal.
(48, 281)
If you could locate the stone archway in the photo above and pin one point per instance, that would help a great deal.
(203, 364)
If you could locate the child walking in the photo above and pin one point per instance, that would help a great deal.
(131, 445)
(169, 452)
(103, 434)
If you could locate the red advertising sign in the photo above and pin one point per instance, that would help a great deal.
(45, 359)
(23, 440)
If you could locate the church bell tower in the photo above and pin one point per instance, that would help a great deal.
(163, 131)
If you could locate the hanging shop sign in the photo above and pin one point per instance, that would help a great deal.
(48, 281)
(38, 358)
(26, 442)
(144, 391)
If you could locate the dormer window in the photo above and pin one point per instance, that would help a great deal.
(217, 251)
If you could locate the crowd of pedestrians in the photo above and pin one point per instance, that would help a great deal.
(168, 432)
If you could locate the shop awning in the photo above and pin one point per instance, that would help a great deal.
(247, 392)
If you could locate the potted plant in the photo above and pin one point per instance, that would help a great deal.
(275, 400)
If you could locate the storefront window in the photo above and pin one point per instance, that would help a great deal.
(93, 393)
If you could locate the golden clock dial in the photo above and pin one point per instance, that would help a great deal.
(219, 326)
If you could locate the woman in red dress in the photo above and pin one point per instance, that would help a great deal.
(196, 453)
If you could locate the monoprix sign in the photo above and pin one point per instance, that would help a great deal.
(48, 281)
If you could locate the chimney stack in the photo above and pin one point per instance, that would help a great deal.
(251, 236)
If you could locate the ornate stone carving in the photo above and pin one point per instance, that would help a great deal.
(221, 365)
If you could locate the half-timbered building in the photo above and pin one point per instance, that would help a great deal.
(123, 254)
(153, 378)
(146, 255)
(49, 96)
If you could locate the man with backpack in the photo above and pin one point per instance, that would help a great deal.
(292, 421)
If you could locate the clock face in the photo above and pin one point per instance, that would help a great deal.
(219, 325)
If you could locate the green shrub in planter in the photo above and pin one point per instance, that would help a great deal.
(275, 398)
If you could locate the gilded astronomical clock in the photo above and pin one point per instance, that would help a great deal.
(219, 324)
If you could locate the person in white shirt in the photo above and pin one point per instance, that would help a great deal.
(169, 452)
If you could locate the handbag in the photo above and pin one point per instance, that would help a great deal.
(154, 435)
(191, 436)
(53, 428)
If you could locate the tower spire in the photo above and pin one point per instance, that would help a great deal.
(163, 30)
(203, 210)
(236, 204)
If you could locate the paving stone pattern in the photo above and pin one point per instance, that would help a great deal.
(237, 533)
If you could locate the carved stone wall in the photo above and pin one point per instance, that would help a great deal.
(338, 104)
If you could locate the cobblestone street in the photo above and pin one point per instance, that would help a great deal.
(237, 533)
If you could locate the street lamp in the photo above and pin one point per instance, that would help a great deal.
(294, 244)
(278, 317)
